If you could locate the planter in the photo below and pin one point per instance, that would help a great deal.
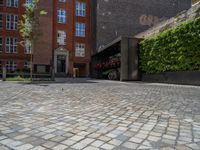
(182, 77)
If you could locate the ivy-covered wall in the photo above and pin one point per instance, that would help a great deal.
(176, 49)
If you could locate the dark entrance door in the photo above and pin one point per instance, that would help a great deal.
(61, 63)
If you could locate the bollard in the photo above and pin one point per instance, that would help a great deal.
(4, 74)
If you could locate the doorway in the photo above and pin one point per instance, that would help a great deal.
(61, 64)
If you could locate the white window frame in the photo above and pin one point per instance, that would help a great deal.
(27, 65)
(11, 22)
(79, 50)
(62, 16)
(80, 29)
(61, 37)
(11, 66)
(11, 45)
(12, 3)
(62, 1)
(80, 9)
(27, 49)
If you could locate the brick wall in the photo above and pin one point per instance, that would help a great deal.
(115, 18)
(43, 45)
(174, 21)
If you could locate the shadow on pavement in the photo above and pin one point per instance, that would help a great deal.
(62, 81)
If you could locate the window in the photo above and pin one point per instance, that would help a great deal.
(11, 22)
(29, 1)
(1, 21)
(62, 1)
(1, 2)
(11, 66)
(12, 3)
(61, 16)
(27, 49)
(61, 38)
(1, 68)
(1, 44)
(80, 29)
(80, 9)
(80, 50)
(27, 65)
(11, 45)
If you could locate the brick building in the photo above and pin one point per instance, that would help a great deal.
(73, 28)
(64, 42)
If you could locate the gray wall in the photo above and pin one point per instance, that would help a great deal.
(114, 18)
(191, 14)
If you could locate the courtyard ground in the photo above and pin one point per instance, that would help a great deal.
(95, 114)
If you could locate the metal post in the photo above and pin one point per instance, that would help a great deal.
(31, 67)
(4, 74)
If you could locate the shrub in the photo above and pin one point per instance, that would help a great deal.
(176, 49)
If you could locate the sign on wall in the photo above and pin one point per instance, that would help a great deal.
(150, 20)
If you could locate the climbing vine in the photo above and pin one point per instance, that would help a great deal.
(176, 49)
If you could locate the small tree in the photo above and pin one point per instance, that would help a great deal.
(29, 28)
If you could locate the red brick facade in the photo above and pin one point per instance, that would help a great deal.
(19, 57)
(46, 48)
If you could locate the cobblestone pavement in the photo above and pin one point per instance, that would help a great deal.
(94, 115)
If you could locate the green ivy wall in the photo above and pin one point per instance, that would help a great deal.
(176, 49)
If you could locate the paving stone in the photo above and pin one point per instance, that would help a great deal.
(107, 146)
(136, 140)
(142, 147)
(38, 142)
(87, 141)
(59, 147)
(23, 136)
(97, 143)
(122, 138)
(169, 137)
(49, 144)
(69, 142)
(38, 148)
(130, 145)
(6, 141)
(79, 146)
(194, 146)
(91, 148)
(3, 148)
(141, 135)
(14, 144)
(2, 137)
(168, 142)
(48, 136)
(58, 139)
(115, 142)
(104, 138)
(121, 116)
(182, 147)
(167, 148)
(154, 138)
(24, 147)
(77, 138)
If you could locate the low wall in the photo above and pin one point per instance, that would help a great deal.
(183, 77)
